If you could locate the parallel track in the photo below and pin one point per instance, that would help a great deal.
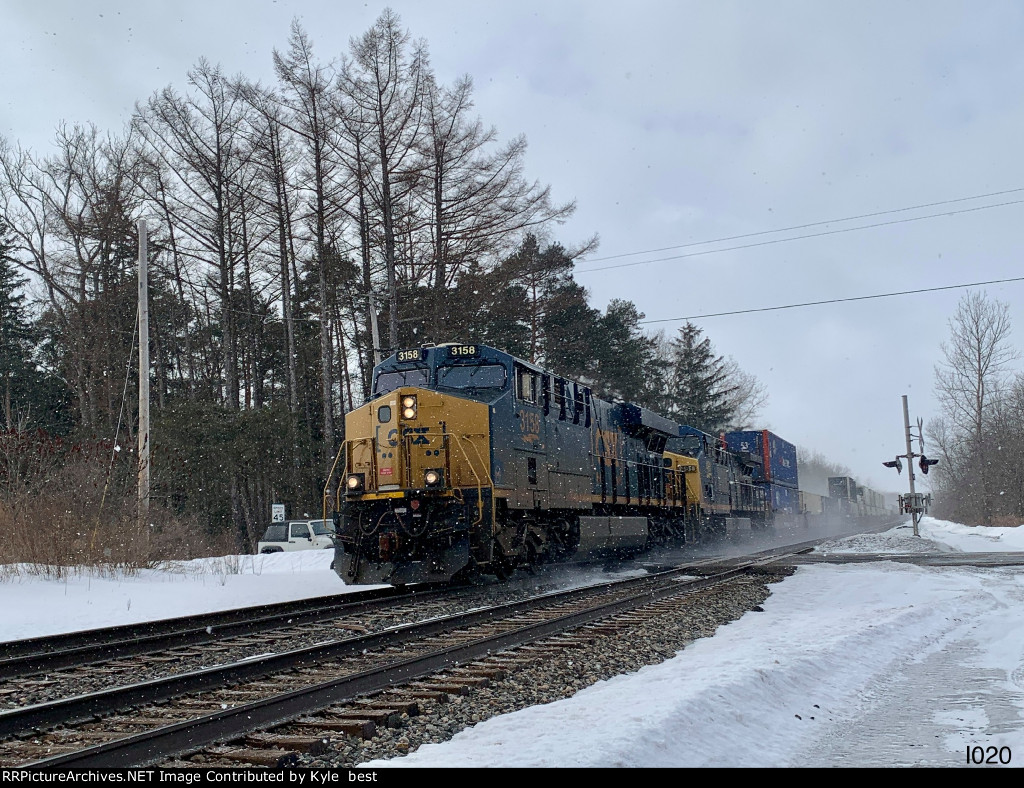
(352, 667)
(268, 690)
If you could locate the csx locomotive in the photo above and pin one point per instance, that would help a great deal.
(466, 459)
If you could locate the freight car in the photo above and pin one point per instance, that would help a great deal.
(847, 497)
(468, 459)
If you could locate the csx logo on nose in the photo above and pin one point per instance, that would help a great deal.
(420, 438)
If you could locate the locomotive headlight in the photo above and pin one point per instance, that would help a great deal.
(434, 477)
(409, 407)
(354, 483)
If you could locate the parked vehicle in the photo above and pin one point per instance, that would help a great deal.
(295, 535)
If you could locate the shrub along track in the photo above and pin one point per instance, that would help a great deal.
(434, 661)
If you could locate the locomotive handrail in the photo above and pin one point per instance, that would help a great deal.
(334, 465)
(490, 480)
(479, 485)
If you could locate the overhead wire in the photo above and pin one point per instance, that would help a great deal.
(804, 226)
(799, 237)
(834, 301)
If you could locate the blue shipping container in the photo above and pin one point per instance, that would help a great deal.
(783, 499)
(778, 457)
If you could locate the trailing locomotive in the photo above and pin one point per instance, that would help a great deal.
(468, 459)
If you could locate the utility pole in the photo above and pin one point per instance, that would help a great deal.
(914, 514)
(915, 503)
(143, 379)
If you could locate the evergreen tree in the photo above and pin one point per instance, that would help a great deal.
(699, 390)
(28, 398)
(15, 332)
(628, 363)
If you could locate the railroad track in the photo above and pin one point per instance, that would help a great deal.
(114, 662)
(76, 649)
(152, 721)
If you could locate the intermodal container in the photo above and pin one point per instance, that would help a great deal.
(842, 488)
(811, 503)
(783, 499)
(778, 457)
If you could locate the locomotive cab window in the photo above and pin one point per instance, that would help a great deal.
(526, 387)
(389, 381)
(472, 376)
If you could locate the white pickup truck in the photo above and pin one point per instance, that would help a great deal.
(297, 535)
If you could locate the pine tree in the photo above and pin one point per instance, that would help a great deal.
(18, 375)
(628, 363)
(699, 390)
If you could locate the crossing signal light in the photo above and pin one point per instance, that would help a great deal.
(897, 465)
(925, 464)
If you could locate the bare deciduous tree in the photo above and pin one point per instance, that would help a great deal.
(383, 82)
(748, 396)
(968, 384)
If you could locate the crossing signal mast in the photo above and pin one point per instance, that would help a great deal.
(915, 504)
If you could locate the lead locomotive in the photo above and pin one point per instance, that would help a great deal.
(468, 459)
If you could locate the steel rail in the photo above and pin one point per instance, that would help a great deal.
(83, 707)
(151, 746)
(57, 652)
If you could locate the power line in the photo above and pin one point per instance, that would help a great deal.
(800, 237)
(835, 300)
(801, 226)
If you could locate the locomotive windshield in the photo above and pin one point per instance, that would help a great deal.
(389, 381)
(691, 445)
(475, 376)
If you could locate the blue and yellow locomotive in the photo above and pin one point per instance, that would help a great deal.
(468, 459)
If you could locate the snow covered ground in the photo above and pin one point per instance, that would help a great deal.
(877, 664)
(32, 606)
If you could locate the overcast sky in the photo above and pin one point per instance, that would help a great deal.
(675, 123)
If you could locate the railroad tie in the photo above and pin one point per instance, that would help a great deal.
(409, 707)
(314, 745)
(272, 758)
(540, 649)
(147, 722)
(210, 704)
(240, 694)
(388, 717)
(40, 751)
(424, 694)
(79, 735)
(363, 729)
(563, 643)
(466, 678)
(447, 688)
(492, 672)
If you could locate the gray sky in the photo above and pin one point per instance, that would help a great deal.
(672, 123)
